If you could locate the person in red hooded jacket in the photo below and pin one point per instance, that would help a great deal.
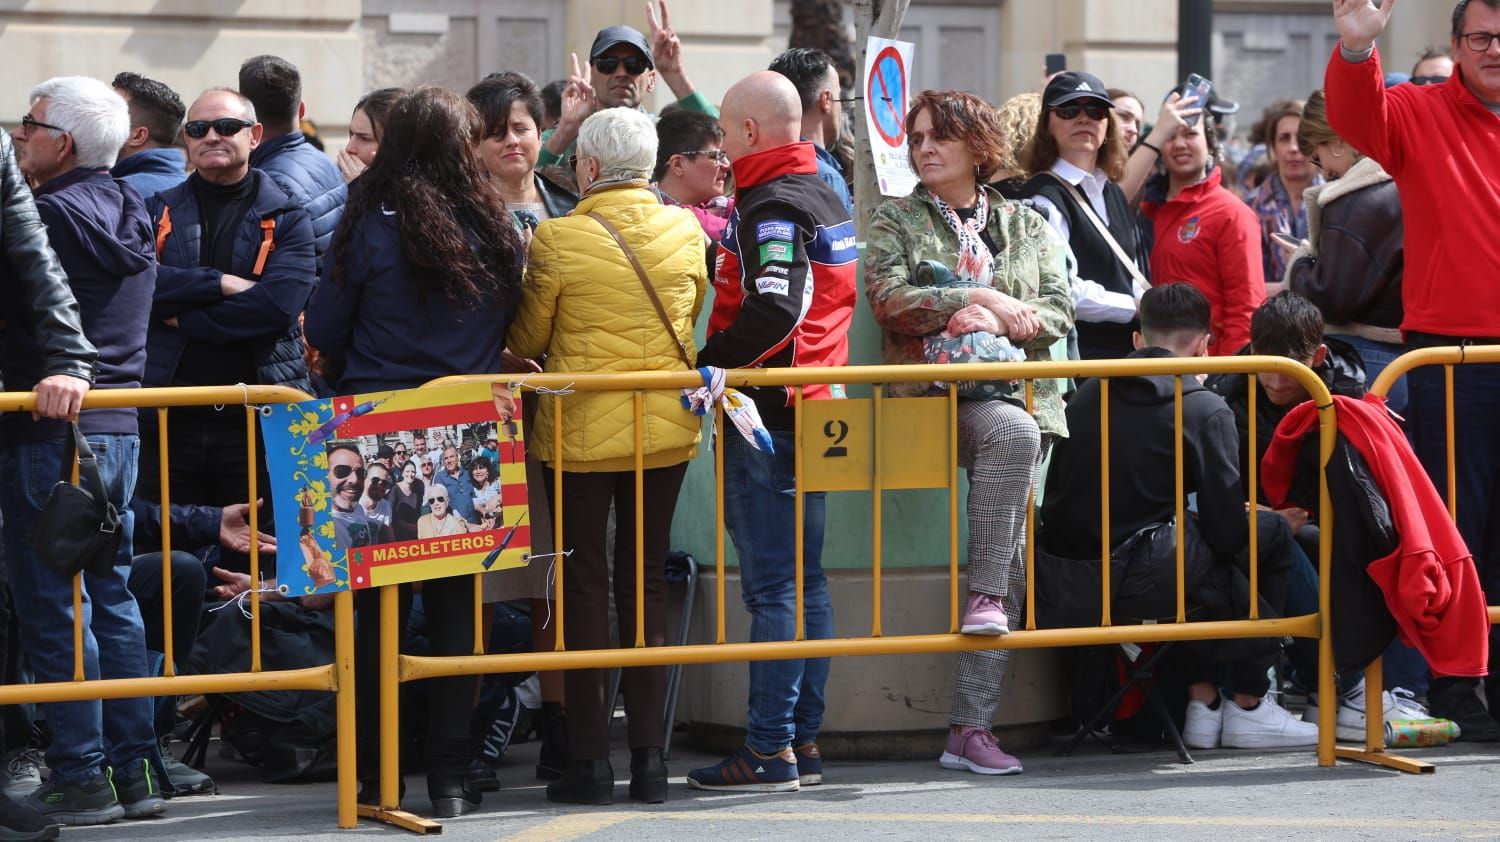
(1205, 235)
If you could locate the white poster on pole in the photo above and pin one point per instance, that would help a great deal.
(887, 92)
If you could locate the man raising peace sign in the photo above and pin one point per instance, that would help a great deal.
(623, 69)
(1441, 143)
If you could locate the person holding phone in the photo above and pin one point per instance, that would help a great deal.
(1075, 154)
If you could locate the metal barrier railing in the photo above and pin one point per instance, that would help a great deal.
(336, 677)
(1447, 357)
(397, 668)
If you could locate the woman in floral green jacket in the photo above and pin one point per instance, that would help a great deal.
(1012, 281)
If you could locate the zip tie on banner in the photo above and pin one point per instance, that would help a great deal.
(540, 390)
(261, 408)
(551, 577)
(239, 600)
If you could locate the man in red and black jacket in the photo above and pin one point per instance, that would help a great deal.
(784, 296)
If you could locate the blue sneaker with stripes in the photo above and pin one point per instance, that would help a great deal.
(749, 771)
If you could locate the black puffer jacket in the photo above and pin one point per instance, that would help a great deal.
(36, 295)
(1353, 264)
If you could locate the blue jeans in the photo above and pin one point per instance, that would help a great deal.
(1376, 356)
(786, 697)
(86, 735)
(1476, 406)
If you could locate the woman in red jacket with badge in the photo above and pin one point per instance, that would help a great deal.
(1205, 236)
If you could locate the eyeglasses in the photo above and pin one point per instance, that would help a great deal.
(718, 156)
(343, 471)
(574, 159)
(1480, 42)
(1429, 80)
(27, 124)
(847, 101)
(634, 65)
(400, 453)
(437, 499)
(225, 126)
(379, 481)
(1095, 111)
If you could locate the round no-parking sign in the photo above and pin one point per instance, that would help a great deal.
(886, 96)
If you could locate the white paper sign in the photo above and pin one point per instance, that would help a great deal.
(887, 91)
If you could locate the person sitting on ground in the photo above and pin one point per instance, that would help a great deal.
(1175, 322)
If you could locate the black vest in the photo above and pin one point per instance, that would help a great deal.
(1096, 260)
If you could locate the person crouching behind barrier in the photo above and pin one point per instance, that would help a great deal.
(1175, 321)
(1012, 281)
(590, 305)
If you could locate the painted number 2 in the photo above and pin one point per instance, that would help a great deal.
(836, 431)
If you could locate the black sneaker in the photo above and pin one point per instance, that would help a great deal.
(182, 779)
(89, 803)
(20, 823)
(1456, 699)
(137, 790)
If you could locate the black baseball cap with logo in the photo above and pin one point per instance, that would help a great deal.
(612, 36)
(1072, 86)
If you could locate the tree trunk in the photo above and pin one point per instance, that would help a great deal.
(820, 24)
(880, 19)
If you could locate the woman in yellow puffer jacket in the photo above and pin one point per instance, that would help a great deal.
(586, 307)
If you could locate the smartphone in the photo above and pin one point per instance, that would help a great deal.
(1197, 86)
(1056, 63)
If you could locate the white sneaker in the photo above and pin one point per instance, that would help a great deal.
(23, 773)
(1267, 725)
(1350, 725)
(1203, 724)
(1401, 703)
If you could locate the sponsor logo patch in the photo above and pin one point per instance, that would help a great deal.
(1188, 231)
(776, 251)
(775, 229)
(769, 286)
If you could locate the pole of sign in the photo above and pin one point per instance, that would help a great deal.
(882, 19)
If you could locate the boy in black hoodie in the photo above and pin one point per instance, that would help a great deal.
(1175, 323)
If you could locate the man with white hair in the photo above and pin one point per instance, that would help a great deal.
(100, 753)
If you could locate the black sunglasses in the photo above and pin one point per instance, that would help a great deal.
(1096, 111)
(225, 126)
(343, 472)
(27, 124)
(719, 156)
(634, 65)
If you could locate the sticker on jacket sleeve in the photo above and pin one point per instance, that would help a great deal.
(768, 285)
(775, 229)
(776, 251)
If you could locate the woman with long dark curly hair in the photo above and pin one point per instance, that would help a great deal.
(425, 274)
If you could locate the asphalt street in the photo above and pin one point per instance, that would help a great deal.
(1244, 795)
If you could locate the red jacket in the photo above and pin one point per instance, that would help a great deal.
(1430, 583)
(1442, 146)
(1209, 238)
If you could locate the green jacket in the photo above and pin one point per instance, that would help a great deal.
(1031, 265)
(694, 101)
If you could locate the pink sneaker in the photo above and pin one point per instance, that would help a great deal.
(984, 616)
(974, 749)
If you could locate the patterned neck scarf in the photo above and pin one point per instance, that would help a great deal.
(975, 263)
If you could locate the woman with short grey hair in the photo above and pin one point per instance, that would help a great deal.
(614, 286)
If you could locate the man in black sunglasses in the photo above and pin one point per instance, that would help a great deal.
(235, 266)
(623, 69)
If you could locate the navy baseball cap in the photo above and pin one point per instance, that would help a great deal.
(614, 35)
(1073, 85)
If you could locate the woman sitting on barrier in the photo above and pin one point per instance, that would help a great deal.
(590, 304)
(955, 260)
(424, 273)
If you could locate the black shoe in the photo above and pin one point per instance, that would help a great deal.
(77, 804)
(1455, 699)
(585, 782)
(182, 779)
(369, 792)
(648, 775)
(483, 776)
(452, 795)
(137, 791)
(552, 760)
(20, 823)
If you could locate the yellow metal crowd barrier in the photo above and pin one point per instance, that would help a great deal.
(337, 677)
(886, 471)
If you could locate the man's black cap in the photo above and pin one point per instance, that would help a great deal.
(385, 452)
(1073, 85)
(614, 35)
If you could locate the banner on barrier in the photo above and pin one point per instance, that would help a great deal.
(398, 486)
